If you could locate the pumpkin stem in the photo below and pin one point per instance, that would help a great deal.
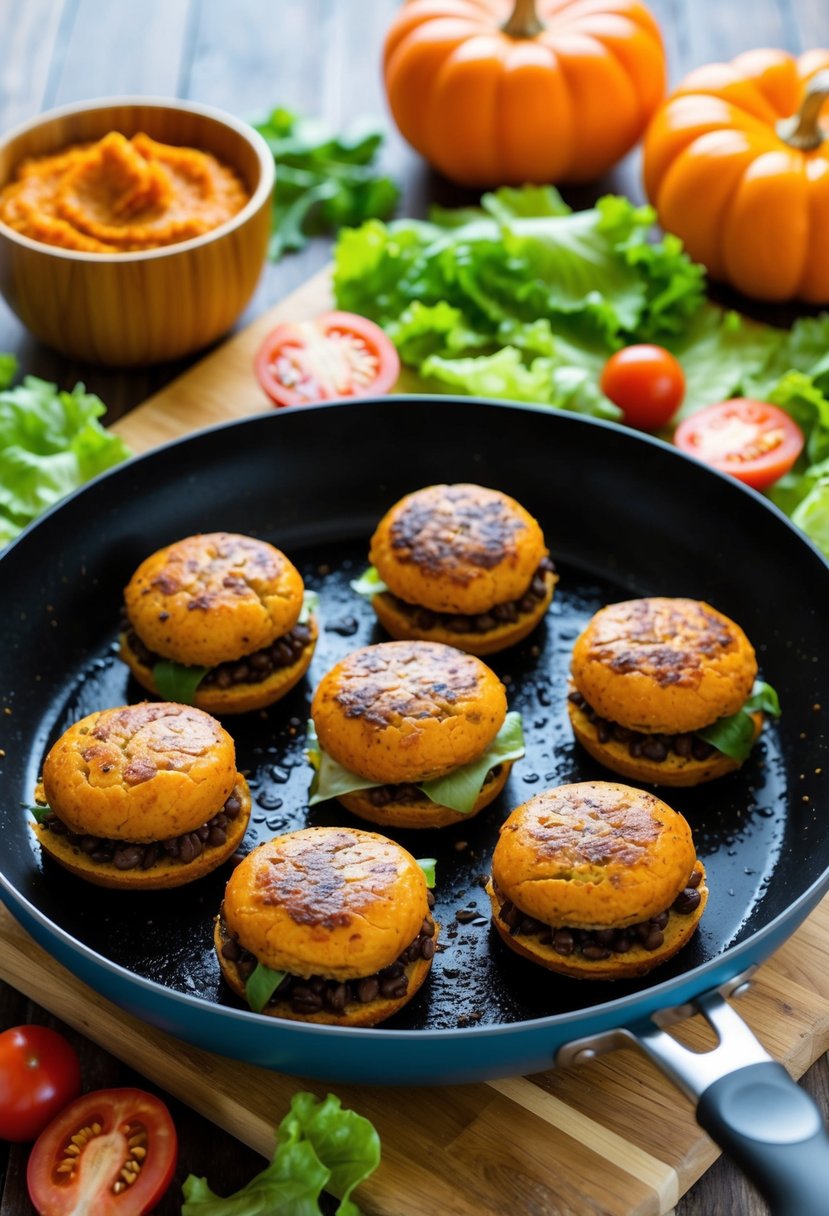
(523, 21)
(803, 130)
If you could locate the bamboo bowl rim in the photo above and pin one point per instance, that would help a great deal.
(264, 187)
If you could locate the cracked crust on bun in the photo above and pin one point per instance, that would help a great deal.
(212, 598)
(663, 665)
(142, 774)
(218, 598)
(460, 551)
(596, 856)
(339, 904)
(660, 667)
(407, 711)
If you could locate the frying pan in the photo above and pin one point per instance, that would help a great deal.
(624, 515)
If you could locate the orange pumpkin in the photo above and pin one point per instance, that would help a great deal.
(498, 93)
(737, 165)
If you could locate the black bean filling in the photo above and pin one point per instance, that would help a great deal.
(599, 944)
(127, 855)
(655, 747)
(408, 794)
(251, 669)
(317, 993)
(482, 622)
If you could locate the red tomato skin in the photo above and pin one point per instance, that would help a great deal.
(759, 470)
(646, 382)
(56, 1195)
(298, 342)
(39, 1075)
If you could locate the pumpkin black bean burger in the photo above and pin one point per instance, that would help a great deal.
(664, 690)
(327, 925)
(596, 881)
(459, 564)
(219, 621)
(142, 797)
(412, 734)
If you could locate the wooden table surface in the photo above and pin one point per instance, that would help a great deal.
(320, 57)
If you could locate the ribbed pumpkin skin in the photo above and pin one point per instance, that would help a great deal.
(487, 109)
(752, 209)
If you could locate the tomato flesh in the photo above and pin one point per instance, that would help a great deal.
(646, 382)
(39, 1075)
(752, 440)
(338, 354)
(112, 1152)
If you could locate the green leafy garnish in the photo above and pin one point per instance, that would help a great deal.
(261, 984)
(40, 813)
(427, 865)
(734, 735)
(176, 681)
(319, 1147)
(50, 444)
(522, 297)
(369, 584)
(310, 605)
(459, 790)
(324, 180)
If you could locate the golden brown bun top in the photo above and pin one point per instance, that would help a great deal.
(142, 772)
(212, 598)
(335, 902)
(593, 855)
(660, 664)
(408, 711)
(457, 548)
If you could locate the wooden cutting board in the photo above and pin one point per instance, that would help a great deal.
(609, 1138)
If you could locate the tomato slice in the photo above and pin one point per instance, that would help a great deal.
(338, 354)
(754, 441)
(112, 1152)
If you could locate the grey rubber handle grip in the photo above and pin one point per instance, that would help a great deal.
(773, 1130)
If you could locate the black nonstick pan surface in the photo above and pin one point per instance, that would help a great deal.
(623, 516)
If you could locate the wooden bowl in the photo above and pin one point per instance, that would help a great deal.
(129, 309)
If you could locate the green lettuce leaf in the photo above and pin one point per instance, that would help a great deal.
(261, 984)
(519, 298)
(369, 584)
(459, 790)
(50, 444)
(320, 1146)
(310, 606)
(427, 865)
(39, 813)
(734, 735)
(177, 681)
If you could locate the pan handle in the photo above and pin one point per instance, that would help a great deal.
(751, 1108)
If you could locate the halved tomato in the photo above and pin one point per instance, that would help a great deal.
(112, 1152)
(754, 441)
(338, 354)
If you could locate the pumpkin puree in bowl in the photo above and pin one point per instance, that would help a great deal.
(119, 195)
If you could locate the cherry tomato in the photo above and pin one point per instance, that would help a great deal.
(39, 1075)
(757, 443)
(121, 1134)
(646, 382)
(336, 355)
